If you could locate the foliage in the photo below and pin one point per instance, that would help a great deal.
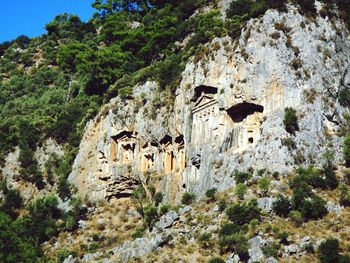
(346, 150)
(216, 260)
(14, 248)
(158, 198)
(241, 177)
(234, 241)
(151, 215)
(296, 217)
(138, 232)
(264, 184)
(324, 178)
(282, 206)
(188, 198)
(164, 209)
(313, 208)
(222, 203)
(344, 195)
(205, 239)
(240, 190)
(210, 194)
(271, 250)
(344, 97)
(329, 251)
(290, 120)
(139, 197)
(243, 213)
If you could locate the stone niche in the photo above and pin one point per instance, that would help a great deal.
(180, 147)
(123, 147)
(205, 115)
(167, 153)
(247, 121)
(148, 156)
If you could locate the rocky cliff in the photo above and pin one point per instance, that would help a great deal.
(227, 113)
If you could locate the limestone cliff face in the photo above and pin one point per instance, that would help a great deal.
(227, 113)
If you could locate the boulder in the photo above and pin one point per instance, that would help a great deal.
(138, 247)
(167, 220)
(271, 260)
(266, 203)
(184, 210)
(233, 258)
(334, 207)
(255, 252)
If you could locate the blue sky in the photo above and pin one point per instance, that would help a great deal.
(28, 17)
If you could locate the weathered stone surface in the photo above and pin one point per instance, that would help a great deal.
(266, 203)
(227, 114)
(233, 258)
(255, 252)
(184, 210)
(138, 247)
(271, 260)
(334, 207)
(130, 249)
(167, 220)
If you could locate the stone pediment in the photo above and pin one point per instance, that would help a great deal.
(203, 102)
(124, 135)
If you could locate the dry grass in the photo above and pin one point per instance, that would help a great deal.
(116, 228)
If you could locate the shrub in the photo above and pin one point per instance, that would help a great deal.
(158, 198)
(151, 215)
(243, 213)
(313, 208)
(188, 198)
(264, 184)
(216, 260)
(329, 251)
(164, 209)
(235, 242)
(346, 150)
(210, 194)
(240, 190)
(324, 179)
(282, 206)
(299, 195)
(290, 120)
(296, 217)
(240, 7)
(229, 229)
(344, 195)
(271, 250)
(138, 232)
(222, 204)
(289, 143)
(241, 177)
(344, 97)
(306, 6)
(204, 239)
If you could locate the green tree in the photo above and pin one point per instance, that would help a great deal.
(244, 212)
(329, 251)
(290, 120)
(282, 206)
(13, 248)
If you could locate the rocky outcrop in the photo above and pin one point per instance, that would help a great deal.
(227, 113)
(130, 249)
(255, 252)
(167, 220)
